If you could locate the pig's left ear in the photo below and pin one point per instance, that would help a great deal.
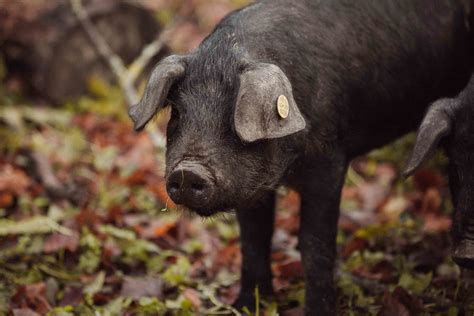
(162, 78)
(265, 105)
(436, 124)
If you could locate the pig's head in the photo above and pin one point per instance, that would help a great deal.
(227, 143)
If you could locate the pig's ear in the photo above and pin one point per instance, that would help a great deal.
(435, 126)
(265, 106)
(162, 78)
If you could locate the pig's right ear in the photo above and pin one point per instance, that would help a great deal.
(436, 124)
(162, 78)
(265, 106)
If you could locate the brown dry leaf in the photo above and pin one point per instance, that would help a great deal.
(290, 202)
(32, 296)
(291, 269)
(164, 229)
(88, 218)
(431, 201)
(6, 199)
(193, 296)
(13, 180)
(436, 223)
(229, 256)
(155, 228)
(72, 296)
(400, 303)
(141, 154)
(137, 288)
(382, 271)
(352, 246)
(56, 242)
(392, 307)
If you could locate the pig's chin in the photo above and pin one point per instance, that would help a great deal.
(208, 210)
(205, 212)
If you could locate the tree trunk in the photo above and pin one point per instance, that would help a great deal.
(44, 44)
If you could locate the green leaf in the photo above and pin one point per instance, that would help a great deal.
(33, 225)
(90, 258)
(177, 273)
(117, 232)
(150, 306)
(94, 287)
(415, 283)
(104, 158)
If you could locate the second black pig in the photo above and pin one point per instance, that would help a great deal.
(451, 121)
(288, 93)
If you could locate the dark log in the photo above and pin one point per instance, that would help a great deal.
(45, 46)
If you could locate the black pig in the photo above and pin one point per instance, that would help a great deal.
(288, 92)
(451, 120)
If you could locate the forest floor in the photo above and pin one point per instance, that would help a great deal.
(86, 227)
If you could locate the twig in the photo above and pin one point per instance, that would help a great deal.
(150, 51)
(125, 77)
(104, 50)
(44, 171)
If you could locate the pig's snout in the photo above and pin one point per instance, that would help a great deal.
(190, 184)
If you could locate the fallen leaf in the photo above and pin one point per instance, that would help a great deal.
(291, 269)
(6, 199)
(164, 229)
(32, 296)
(56, 242)
(392, 307)
(24, 312)
(32, 225)
(193, 296)
(13, 180)
(436, 223)
(136, 288)
(355, 244)
(431, 201)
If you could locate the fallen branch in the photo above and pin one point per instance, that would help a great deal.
(126, 77)
(46, 175)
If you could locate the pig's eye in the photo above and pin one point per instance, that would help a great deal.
(174, 120)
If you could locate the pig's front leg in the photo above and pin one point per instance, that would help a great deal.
(320, 199)
(256, 230)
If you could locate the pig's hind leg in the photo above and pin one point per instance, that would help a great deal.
(256, 231)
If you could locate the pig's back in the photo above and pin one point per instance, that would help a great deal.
(362, 71)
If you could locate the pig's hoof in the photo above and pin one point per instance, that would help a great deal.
(463, 254)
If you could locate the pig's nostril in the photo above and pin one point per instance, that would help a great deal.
(174, 186)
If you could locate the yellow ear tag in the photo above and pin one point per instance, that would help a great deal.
(283, 107)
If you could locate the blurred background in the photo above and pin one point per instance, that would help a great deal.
(86, 226)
